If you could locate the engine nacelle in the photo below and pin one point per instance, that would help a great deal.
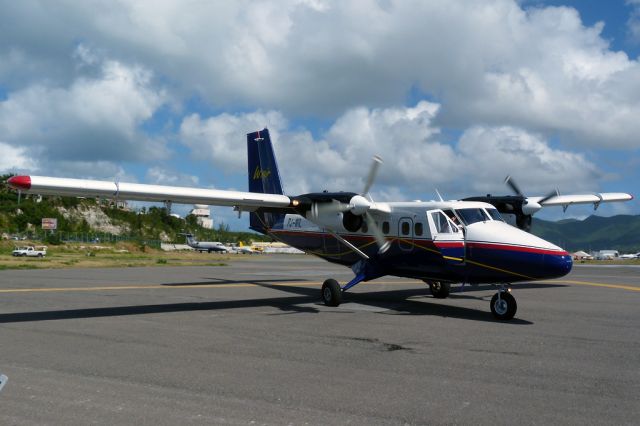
(327, 215)
(530, 208)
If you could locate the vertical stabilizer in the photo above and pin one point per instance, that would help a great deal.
(264, 176)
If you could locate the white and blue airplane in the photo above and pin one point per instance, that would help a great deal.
(439, 242)
(208, 246)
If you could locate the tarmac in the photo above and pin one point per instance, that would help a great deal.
(251, 343)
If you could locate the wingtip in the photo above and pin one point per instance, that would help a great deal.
(20, 182)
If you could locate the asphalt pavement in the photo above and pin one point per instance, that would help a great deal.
(250, 343)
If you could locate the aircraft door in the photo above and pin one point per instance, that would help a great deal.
(446, 236)
(405, 234)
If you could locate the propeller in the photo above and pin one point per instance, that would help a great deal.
(359, 206)
(549, 196)
(529, 207)
(356, 209)
(511, 184)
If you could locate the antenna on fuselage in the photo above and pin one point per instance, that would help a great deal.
(439, 196)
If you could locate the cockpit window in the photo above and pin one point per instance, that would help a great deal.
(470, 216)
(441, 223)
(495, 215)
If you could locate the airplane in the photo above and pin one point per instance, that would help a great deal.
(208, 246)
(518, 209)
(242, 249)
(439, 242)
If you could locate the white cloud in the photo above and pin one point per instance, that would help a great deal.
(164, 176)
(15, 159)
(93, 119)
(633, 23)
(488, 62)
(488, 154)
(416, 162)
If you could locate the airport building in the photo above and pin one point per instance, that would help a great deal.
(203, 214)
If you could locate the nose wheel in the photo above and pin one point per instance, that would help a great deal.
(503, 305)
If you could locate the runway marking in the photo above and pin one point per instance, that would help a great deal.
(176, 286)
(620, 286)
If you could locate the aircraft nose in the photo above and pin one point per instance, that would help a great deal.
(556, 265)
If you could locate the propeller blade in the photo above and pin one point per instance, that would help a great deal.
(512, 184)
(373, 171)
(383, 244)
(549, 196)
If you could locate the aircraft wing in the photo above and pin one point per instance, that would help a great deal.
(595, 199)
(247, 201)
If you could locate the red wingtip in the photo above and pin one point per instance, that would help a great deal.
(20, 182)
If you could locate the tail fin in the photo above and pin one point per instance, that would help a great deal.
(263, 176)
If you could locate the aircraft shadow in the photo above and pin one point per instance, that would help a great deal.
(398, 302)
(391, 302)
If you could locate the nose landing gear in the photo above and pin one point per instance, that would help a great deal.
(503, 305)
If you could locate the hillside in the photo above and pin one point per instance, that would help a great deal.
(620, 232)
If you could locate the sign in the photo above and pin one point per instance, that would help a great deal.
(49, 223)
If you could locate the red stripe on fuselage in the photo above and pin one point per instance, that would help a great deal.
(507, 247)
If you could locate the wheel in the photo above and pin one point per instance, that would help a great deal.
(331, 293)
(503, 306)
(439, 289)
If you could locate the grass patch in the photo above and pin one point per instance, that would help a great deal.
(107, 256)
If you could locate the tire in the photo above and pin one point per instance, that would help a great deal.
(331, 293)
(439, 289)
(505, 308)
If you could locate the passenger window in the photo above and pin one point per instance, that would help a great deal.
(406, 228)
(418, 229)
(385, 227)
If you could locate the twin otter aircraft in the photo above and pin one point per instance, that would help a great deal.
(439, 242)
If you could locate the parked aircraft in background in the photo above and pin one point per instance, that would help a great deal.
(439, 242)
(518, 209)
(208, 246)
(242, 249)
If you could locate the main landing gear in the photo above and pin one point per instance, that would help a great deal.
(503, 304)
(331, 292)
(439, 289)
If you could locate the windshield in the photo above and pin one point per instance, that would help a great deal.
(495, 215)
(470, 216)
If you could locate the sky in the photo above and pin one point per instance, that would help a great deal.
(453, 95)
